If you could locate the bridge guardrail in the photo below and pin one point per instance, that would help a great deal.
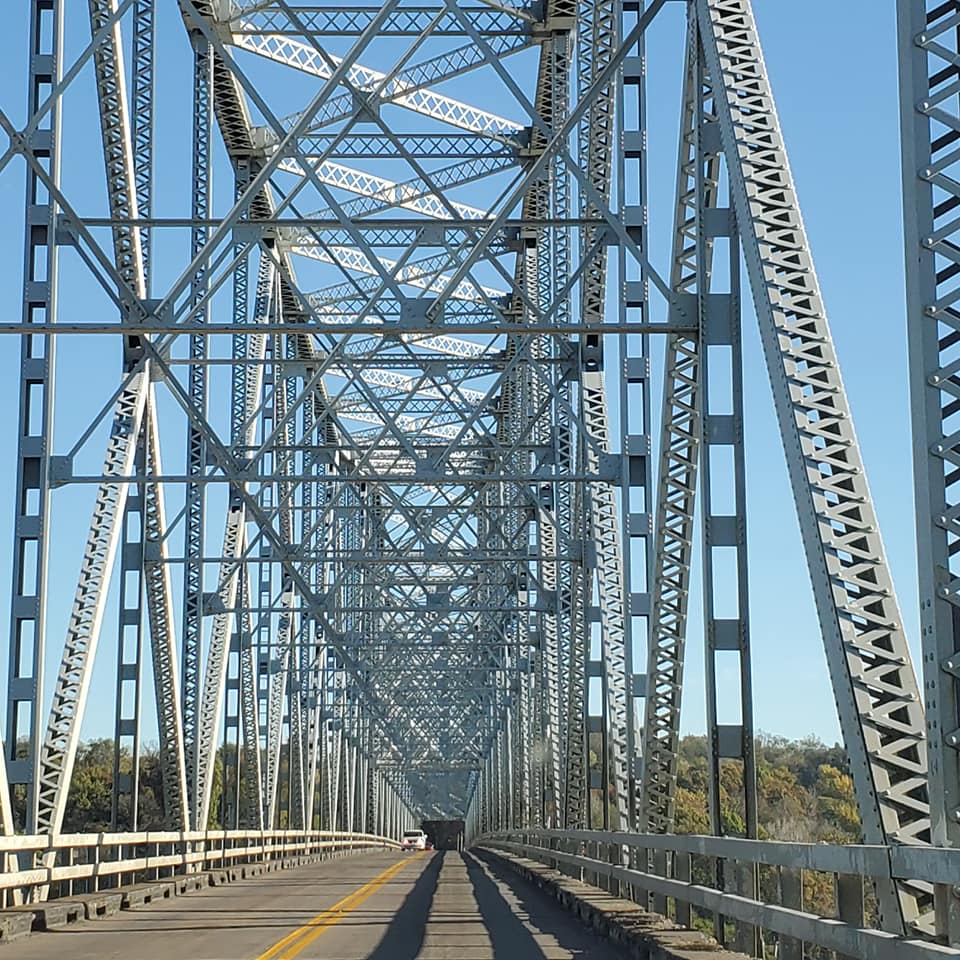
(33, 864)
(668, 880)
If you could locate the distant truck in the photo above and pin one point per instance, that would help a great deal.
(445, 834)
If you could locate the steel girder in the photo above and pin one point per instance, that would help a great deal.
(36, 396)
(877, 697)
(133, 562)
(679, 461)
(930, 121)
(878, 700)
(194, 521)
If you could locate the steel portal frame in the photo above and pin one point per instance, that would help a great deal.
(423, 508)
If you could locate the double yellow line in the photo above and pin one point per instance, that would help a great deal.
(292, 944)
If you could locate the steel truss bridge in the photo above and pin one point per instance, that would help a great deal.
(389, 507)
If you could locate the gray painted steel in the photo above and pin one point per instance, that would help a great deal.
(399, 372)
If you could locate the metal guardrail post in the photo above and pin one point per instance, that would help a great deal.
(791, 896)
(849, 893)
(719, 882)
(682, 870)
(660, 869)
(746, 883)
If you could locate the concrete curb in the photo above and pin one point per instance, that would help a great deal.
(143, 894)
(644, 935)
(15, 924)
(105, 903)
(190, 883)
(53, 914)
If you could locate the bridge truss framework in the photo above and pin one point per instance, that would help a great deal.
(378, 516)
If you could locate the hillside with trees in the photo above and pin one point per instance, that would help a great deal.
(805, 792)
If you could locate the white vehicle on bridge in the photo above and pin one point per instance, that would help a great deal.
(413, 840)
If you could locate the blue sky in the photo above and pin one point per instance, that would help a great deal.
(838, 105)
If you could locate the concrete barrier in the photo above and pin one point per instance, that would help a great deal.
(644, 935)
(98, 905)
(53, 914)
(15, 924)
(190, 883)
(143, 894)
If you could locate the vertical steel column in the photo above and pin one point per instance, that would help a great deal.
(34, 426)
(297, 757)
(336, 753)
(325, 812)
(349, 770)
(556, 537)
(724, 525)
(576, 800)
(362, 808)
(374, 799)
(133, 532)
(130, 651)
(304, 671)
(83, 631)
(234, 762)
(194, 519)
(250, 767)
(636, 477)
(311, 652)
(597, 38)
(231, 760)
(263, 653)
(930, 119)
(697, 181)
(163, 644)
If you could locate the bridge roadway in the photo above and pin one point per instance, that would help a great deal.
(376, 906)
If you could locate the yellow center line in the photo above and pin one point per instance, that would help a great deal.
(294, 943)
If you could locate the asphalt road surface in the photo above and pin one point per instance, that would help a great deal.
(378, 906)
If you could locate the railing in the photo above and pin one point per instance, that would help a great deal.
(660, 869)
(36, 866)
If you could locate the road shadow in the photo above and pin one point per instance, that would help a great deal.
(403, 939)
(510, 937)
